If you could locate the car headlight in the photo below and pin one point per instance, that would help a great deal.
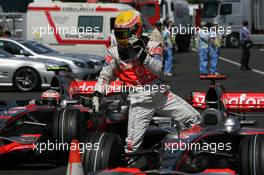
(79, 64)
(55, 67)
(51, 66)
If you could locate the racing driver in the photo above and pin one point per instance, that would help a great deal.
(48, 98)
(137, 61)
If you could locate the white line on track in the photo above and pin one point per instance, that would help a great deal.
(234, 63)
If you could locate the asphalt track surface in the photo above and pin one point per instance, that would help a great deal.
(184, 81)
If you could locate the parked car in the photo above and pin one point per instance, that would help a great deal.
(82, 65)
(93, 61)
(24, 73)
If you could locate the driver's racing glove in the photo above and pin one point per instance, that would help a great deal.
(139, 47)
(96, 101)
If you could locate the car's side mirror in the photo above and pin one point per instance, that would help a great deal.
(24, 52)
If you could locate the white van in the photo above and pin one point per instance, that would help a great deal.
(73, 27)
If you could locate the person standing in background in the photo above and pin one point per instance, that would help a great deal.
(246, 43)
(214, 49)
(156, 34)
(4, 32)
(7, 34)
(203, 38)
(168, 47)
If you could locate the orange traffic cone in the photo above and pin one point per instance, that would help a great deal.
(75, 166)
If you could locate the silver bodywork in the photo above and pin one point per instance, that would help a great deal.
(94, 62)
(10, 64)
(82, 65)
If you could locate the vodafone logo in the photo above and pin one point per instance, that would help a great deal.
(86, 87)
(250, 101)
(233, 100)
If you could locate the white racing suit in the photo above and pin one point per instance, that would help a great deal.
(144, 102)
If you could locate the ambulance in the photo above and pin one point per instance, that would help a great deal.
(73, 27)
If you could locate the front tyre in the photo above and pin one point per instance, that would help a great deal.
(106, 152)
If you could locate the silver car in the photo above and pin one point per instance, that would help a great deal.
(82, 65)
(24, 73)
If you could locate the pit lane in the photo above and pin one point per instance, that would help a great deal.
(184, 81)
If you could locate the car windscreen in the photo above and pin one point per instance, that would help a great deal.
(210, 10)
(4, 54)
(146, 25)
(37, 47)
(148, 10)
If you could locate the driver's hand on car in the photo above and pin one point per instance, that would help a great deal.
(96, 101)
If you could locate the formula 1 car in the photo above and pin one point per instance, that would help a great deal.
(32, 127)
(224, 143)
(233, 101)
(39, 130)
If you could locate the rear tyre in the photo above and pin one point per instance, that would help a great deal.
(105, 153)
(251, 155)
(26, 79)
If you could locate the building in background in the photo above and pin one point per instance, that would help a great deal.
(14, 5)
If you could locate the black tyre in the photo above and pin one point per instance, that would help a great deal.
(26, 79)
(68, 124)
(106, 152)
(251, 155)
(232, 40)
